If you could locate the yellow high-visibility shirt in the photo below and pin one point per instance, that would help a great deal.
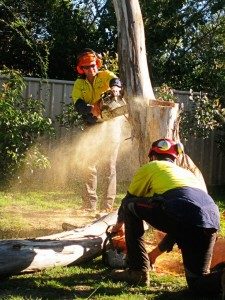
(82, 88)
(159, 176)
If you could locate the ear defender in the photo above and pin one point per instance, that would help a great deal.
(87, 57)
(180, 148)
(98, 62)
(79, 70)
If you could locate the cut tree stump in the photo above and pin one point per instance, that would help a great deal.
(62, 249)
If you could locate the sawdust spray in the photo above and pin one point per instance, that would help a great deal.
(72, 154)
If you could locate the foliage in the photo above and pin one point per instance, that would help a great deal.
(185, 44)
(20, 33)
(110, 62)
(204, 116)
(165, 93)
(22, 123)
(69, 117)
(45, 37)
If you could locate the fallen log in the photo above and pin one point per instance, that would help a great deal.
(67, 248)
(62, 249)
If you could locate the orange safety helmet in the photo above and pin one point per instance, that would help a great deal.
(87, 57)
(166, 146)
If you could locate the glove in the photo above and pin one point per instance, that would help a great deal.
(90, 119)
(116, 91)
(118, 227)
(115, 82)
(116, 87)
(96, 109)
(85, 110)
(82, 107)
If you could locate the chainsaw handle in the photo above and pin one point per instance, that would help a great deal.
(107, 241)
(109, 233)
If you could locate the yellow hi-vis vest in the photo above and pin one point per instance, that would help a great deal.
(91, 93)
(157, 177)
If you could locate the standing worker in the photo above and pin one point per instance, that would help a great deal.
(101, 139)
(174, 201)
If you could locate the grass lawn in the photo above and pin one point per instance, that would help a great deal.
(39, 213)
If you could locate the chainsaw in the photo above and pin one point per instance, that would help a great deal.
(113, 104)
(114, 250)
(110, 105)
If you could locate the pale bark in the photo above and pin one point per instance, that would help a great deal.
(186, 162)
(62, 249)
(132, 50)
(149, 119)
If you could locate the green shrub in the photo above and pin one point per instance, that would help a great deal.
(206, 115)
(69, 118)
(22, 123)
(165, 93)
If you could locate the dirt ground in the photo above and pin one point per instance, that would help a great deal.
(54, 221)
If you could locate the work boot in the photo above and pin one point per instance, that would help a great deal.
(136, 277)
(223, 285)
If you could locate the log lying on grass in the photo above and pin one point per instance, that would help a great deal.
(62, 249)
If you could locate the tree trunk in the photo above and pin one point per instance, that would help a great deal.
(132, 52)
(149, 119)
(61, 249)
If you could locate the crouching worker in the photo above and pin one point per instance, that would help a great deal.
(172, 200)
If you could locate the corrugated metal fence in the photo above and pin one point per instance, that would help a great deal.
(204, 153)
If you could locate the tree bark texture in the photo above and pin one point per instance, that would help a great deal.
(150, 119)
(132, 50)
(61, 249)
